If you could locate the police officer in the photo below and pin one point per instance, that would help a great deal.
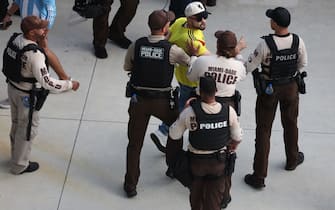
(224, 67)
(24, 79)
(227, 71)
(214, 132)
(281, 55)
(151, 62)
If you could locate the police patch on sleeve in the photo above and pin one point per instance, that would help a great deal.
(193, 124)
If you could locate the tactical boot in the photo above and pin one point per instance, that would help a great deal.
(300, 160)
(254, 181)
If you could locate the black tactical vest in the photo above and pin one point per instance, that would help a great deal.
(12, 60)
(212, 132)
(284, 63)
(152, 67)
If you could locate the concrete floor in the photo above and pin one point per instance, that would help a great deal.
(81, 145)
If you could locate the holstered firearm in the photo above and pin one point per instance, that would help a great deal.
(41, 97)
(129, 88)
(237, 102)
(230, 163)
(259, 81)
(37, 98)
(301, 82)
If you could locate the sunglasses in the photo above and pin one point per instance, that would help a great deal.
(198, 17)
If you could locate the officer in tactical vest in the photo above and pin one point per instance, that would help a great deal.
(150, 60)
(281, 55)
(26, 68)
(227, 68)
(214, 133)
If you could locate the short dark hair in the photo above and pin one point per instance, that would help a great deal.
(207, 85)
(158, 19)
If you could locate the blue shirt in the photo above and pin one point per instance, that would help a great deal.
(44, 9)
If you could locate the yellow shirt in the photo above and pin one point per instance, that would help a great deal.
(181, 35)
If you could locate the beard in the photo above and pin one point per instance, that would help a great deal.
(202, 26)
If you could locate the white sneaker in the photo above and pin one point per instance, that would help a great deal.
(158, 137)
(4, 104)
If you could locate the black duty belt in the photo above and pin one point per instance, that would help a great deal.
(282, 81)
(14, 86)
(216, 155)
(153, 93)
(225, 99)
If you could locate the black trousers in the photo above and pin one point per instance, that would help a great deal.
(140, 111)
(287, 97)
(3, 8)
(121, 20)
(209, 183)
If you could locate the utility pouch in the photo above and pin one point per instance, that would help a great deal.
(41, 96)
(301, 82)
(230, 163)
(237, 102)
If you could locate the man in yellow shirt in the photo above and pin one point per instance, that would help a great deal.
(185, 30)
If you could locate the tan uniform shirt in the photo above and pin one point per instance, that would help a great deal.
(34, 67)
(184, 122)
(262, 53)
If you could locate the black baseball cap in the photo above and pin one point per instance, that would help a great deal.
(280, 15)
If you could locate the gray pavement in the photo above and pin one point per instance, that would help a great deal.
(82, 138)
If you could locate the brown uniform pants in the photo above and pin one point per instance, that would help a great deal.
(230, 102)
(140, 111)
(208, 185)
(288, 98)
(122, 18)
